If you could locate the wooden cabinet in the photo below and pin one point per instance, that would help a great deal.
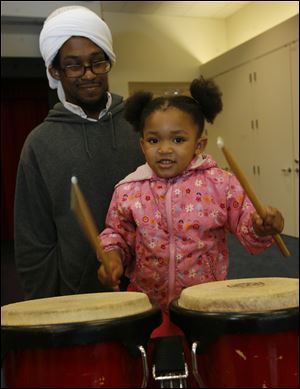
(259, 125)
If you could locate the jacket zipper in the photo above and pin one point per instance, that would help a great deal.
(212, 268)
(172, 269)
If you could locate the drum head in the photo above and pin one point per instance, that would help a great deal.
(252, 305)
(242, 295)
(126, 317)
(75, 308)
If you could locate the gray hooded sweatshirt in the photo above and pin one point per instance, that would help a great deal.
(53, 256)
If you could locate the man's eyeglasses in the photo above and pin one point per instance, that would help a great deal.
(98, 67)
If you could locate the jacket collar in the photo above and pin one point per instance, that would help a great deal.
(144, 172)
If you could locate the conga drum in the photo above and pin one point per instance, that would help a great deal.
(87, 341)
(242, 333)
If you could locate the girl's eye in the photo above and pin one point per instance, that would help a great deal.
(152, 141)
(178, 139)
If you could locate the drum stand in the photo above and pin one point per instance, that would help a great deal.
(169, 368)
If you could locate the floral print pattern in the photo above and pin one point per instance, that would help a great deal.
(173, 232)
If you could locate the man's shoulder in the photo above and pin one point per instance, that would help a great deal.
(54, 119)
(117, 104)
(116, 99)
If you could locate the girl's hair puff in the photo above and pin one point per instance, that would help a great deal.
(208, 96)
(204, 104)
(134, 107)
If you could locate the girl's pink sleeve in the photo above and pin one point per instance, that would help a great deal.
(239, 220)
(120, 229)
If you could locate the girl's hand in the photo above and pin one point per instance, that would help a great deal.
(271, 224)
(111, 274)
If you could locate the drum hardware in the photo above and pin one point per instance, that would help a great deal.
(145, 367)
(169, 368)
(167, 380)
(195, 366)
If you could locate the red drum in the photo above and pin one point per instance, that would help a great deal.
(80, 341)
(243, 333)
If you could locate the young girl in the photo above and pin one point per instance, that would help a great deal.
(167, 222)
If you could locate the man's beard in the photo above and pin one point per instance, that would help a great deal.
(94, 106)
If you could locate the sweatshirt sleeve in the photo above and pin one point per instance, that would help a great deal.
(35, 235)
(120, 231)
(240, 211)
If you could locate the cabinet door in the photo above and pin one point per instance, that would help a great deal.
(274, 140)
(259, 124)
(294, 55)
(234, 123)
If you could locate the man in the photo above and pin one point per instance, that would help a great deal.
(85, 135)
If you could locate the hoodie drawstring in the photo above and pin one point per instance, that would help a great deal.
(86, 144)
(113, 135)
(113, 131)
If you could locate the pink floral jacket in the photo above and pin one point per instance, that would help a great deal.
(172, 232)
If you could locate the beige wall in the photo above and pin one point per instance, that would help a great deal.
(41, 9)
(22, 21)
(256, 18)
(156, 48)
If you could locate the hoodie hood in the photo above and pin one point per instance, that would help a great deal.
(144, 172)
(62, 115)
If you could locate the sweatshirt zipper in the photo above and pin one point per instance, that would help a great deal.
(172, 269)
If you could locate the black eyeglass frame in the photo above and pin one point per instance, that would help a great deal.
(83, 68)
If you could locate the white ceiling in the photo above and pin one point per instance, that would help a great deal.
(204, 9)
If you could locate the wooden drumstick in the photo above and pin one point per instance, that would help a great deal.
(84, 216)
(260, 209)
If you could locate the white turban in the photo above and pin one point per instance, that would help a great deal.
(69, 21)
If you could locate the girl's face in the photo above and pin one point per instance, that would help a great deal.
(170, 141)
